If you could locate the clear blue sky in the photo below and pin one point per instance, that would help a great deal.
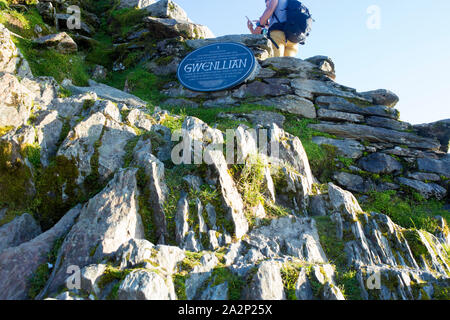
(409, 54)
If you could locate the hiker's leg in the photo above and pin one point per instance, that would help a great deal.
(291, 49)
(280, 40)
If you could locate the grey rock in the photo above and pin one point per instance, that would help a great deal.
(261, 89)
(61, 42)
(171, 28)
(140, 119)
(180, 103)
(108, 108)
(164, 69)
(181, 219)
(166, 9)
(11, 59)
(213, 243)
(350, 181)
(144, 285)
(325, 64)
(168, 257)
(292, 154)
(344, 202)
(296, 67)
(199, 275)
(380, 163)
(292, 104)
(364, 108)
(325, 88)
(108, 93)
(220, 102)
(194, 182)
(218, 292)
(90, 276)
(441, 167)
(15, 103)
(347, 148)
(332, 293)
(79, 144)
(372, 134)
(303, 290)
(230, 195)
(382, 97)
(72, 106)
(427, 190)
(115, 137)
(383, 122)
(25, 135)
(17, 264)
(289, 236)
(135, 3)
(20, 230)
(106, 221)
(317, 206)
(267, 283)
(211, 211)
(134, 252)
(191, 243)
(422, 176)
(439, 130)
(338, 116)
(48, 127)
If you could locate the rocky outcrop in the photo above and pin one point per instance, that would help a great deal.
(18, 231)
(61, 42)
(19, 263)
(11, 59)
(107, 92)
(107, 221)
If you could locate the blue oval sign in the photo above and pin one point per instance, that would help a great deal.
(216, 67)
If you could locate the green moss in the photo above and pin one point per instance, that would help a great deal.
(48, 62)
(123, 20)
(38, 280)
(93, 182)
(40, 277)
(163, 61)
(407, 210)
(145, 209)
(441, 293)
(15, 177)
(173, 123)
(88, 104)
(64, 132)
(235, 283)
(334, 249)
(33, 153)
(289, 274)
(5, 130)
(359, 103)
(64, 93)
(49, 204)
(141, 83)
(112, 274)
(22, 23)
(179, 282)
(191, 260)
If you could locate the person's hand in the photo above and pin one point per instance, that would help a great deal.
(250, 26)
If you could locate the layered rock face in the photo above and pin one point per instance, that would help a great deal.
(120, 217)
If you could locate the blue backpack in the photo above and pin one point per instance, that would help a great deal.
(299, 22)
